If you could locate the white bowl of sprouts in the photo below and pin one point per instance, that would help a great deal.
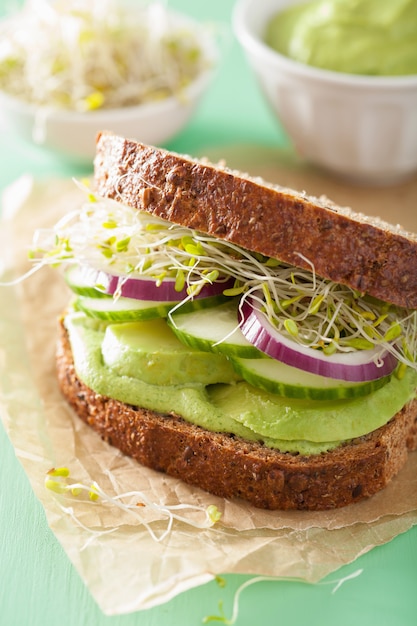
(70, 68)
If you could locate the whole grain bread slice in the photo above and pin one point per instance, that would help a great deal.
(231, 467)
(349, 248)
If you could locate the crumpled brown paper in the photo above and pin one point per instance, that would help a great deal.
(124, 567)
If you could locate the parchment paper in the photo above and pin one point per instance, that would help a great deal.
(126, 569)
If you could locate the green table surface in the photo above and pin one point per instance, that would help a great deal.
(38, 584)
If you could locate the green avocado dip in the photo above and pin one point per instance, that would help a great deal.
(293, 425)
(370, 37)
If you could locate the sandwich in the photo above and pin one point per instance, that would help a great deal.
(252, 341)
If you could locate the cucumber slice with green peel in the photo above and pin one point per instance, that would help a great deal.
(122, 309)
(200, 304)
(149, 351)
(285, 380)
(78, 281)
(129, 309)
(214, 330)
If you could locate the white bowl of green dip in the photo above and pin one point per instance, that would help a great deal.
(341, 76)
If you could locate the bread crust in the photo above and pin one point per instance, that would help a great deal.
(231, 467)
(366, 254)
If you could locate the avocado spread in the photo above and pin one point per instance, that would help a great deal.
(294, 425)
(371, 37)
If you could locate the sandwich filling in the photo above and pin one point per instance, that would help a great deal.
(294, 425)
(177, 321)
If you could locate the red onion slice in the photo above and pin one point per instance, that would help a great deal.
(357, 366)
(145, 288)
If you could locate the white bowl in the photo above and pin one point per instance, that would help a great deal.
(363, 128)
(72, 134)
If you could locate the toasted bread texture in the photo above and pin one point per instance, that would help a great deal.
(231, 467)
(366, 254)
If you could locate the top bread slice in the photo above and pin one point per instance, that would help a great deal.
(366, 254)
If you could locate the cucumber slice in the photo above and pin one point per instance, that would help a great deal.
(129, 309)
(284, 380)
(215, 331)
(150, 351)
(79, 283)
(122, 309)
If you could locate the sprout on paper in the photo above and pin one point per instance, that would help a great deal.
(56, 480)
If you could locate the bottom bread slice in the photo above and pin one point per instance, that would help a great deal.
(231, 467)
